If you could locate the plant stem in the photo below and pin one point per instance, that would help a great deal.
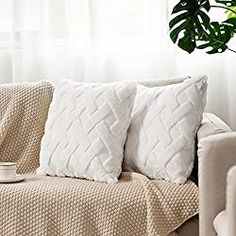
(234, 51)
(226, 8)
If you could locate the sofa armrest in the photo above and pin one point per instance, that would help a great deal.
(224, 222)
(211, 132)
(216, 153)
(231, 201)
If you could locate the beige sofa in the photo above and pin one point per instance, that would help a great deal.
(216, 148)
(216, 154)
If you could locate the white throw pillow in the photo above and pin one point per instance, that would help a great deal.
(161, 137)
(86, 130)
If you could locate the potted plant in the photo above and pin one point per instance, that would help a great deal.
(192, 28)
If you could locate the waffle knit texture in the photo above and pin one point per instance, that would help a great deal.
(43, 205)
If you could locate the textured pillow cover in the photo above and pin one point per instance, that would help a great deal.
(86, 130)
(161, 137)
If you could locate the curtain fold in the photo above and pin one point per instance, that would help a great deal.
(105, 40)
(90, 40)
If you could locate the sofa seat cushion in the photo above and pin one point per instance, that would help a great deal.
(43, 205)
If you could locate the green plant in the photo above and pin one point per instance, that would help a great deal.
(192, 27)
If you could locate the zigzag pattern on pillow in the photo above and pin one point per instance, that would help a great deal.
(86, 130)
(161, 138)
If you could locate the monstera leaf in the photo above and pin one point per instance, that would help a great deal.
(231, 13)
(227, 3)
(192, 28)
(232, 23)
(216, 37)
(189, 23)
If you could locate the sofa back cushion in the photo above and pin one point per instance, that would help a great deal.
(163, 81)
(211, 125)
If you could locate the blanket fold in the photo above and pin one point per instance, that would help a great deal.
(23, 113)
(43, 205)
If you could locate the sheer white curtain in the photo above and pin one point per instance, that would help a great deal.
(88, 40)
(104, 40)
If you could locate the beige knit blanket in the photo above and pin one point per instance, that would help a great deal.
(23, 113)
(65, 206)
